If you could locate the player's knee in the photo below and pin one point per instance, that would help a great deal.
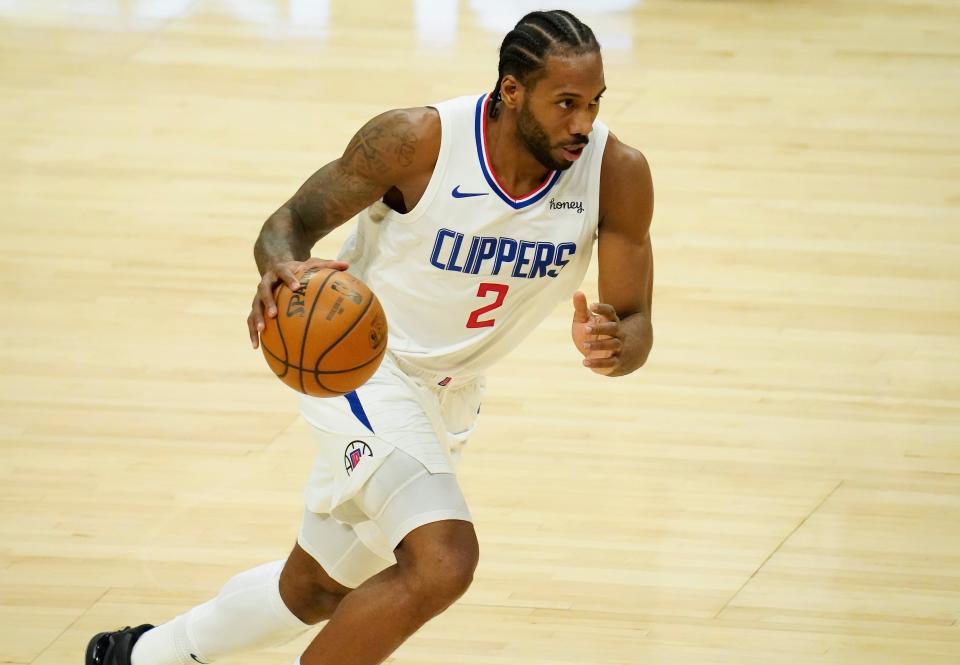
(439, 583)
(325, 602)
(307, 590)
(438, 571)
(450, 575)
(310, 599)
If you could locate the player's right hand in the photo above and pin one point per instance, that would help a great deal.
(286, 272)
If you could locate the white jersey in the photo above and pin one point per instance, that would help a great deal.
(468, 272)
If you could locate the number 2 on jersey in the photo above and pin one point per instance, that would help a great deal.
(485, 288)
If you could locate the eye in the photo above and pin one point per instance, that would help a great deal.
(565, 104)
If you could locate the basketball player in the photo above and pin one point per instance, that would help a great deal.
(476, 216)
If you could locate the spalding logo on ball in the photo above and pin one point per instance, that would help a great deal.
(329, 335)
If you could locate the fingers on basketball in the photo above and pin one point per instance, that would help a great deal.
(329, 335)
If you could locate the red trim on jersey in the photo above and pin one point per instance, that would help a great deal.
(489, 165)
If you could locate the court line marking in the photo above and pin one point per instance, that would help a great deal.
(782, 543)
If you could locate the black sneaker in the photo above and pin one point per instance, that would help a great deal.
(114, 648)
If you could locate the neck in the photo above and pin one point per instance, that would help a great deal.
(515, 166)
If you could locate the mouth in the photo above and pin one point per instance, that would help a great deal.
(573, 151)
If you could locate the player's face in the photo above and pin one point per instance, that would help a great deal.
(557, 113)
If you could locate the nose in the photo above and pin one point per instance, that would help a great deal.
(581, 123)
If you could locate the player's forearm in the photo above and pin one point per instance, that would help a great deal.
(282, 238)
(637, 342)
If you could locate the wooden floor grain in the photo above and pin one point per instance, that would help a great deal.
(779, 486)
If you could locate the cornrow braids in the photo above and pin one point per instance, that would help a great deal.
(536, 36)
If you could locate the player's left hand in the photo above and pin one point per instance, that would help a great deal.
(596, 334)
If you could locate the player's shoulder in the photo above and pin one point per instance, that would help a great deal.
(422, 119)
(399, 140)
(419, 123)
(622, 161)
(626, 185)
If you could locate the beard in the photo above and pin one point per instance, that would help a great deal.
(535, 138)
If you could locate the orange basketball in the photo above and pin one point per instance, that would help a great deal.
(329, 335)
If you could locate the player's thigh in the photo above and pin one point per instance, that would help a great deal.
(337, 550)
(399, 497)
(402, 496)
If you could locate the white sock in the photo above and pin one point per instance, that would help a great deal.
(248, 613)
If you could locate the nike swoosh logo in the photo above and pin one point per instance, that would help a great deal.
(457, 194)
(202, 662)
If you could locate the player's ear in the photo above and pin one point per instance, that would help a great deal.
(511, 92)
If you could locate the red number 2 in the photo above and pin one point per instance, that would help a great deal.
(485, 288)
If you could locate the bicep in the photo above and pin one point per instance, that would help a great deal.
(378, 156)
(625, 252)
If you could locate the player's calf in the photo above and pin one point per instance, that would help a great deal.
(248, 613)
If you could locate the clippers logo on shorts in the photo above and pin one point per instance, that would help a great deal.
(354, 452)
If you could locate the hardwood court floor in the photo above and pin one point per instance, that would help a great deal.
(781, 483)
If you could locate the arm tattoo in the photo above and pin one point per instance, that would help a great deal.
(385, 139)
(368, 168)
(371, 164)
(406, 147)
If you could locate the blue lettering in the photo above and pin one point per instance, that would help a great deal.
(491, 254)
(522, 259)
(437, 245)
(452, 261)
(542, 258)
(506, 253)
(472, 254)
(488, 248)
(560, 261)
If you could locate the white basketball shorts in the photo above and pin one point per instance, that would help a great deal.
(385, 465)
